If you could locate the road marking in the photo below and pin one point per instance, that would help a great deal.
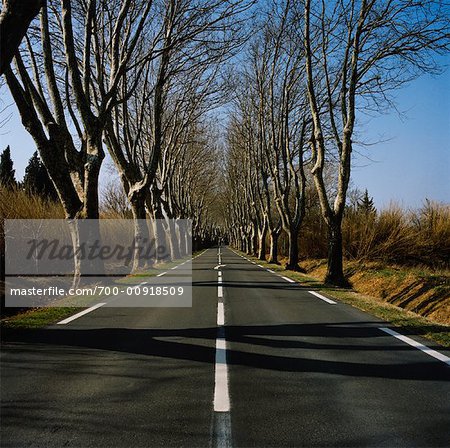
(219, 273)
(287, 279)
(201, 253)
(221, 396)
(220, 314)
(162, 273)
(429, 351)
(270, 270)
(219, 266)
(260, 266)
(81, 313)
(321, 297)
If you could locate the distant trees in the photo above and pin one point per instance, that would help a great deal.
(366, 205)
(7, 171)
(149, 133)
(272, 121)
(37, 181)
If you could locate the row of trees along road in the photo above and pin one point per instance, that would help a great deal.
(138, 78)
(311, 68)
(133, 76)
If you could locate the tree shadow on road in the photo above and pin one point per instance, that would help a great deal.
(349, 348)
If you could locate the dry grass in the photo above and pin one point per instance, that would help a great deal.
(422, 291)
(16, 204)
(392, 236)
(420, 237)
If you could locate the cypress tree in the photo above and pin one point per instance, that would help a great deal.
(37, 180)
(366, 205)
(7, 173)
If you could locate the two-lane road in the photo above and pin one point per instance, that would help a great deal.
(296, 371)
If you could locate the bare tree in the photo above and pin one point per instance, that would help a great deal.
(357, 52)
(277, 124)
(145, 135)
(66, 81)
(15, 18)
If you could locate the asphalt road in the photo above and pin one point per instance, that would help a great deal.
(293, 369)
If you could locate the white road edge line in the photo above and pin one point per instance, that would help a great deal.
(288, 279)
(201, 253)
(429, 351)
(270, 270)
(81, 313)
(321, 297)
(162, 273)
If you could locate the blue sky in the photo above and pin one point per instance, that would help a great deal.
(413, 165)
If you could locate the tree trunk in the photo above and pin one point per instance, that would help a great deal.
(249, 247)
(92, 165)
(85, 232)
(273, 258)
(173, 240)
(162, 254)
(335, 270)
(188, 238)
(262, 242)
(181, 225)
(254, 239)
(292, 263)
(75, 236)
(90, 230)
(2, 264)
(141, 235)
(15, 19)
